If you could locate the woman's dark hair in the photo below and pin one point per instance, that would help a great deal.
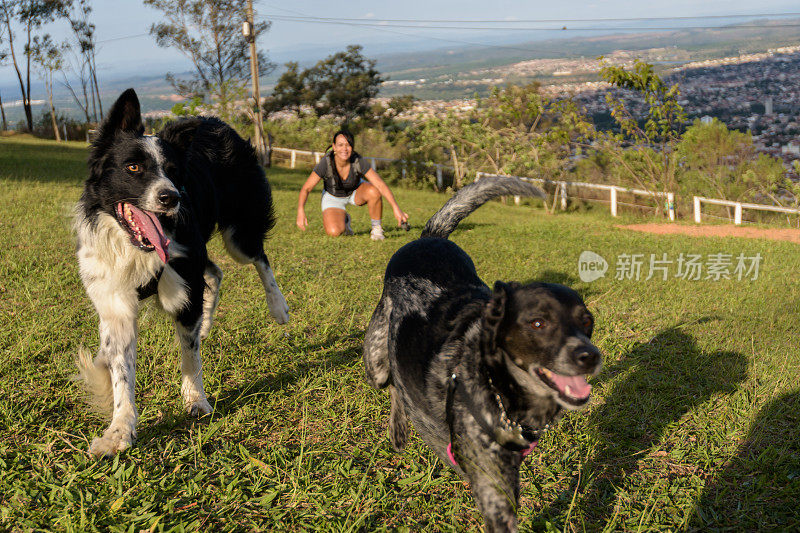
(347, 135)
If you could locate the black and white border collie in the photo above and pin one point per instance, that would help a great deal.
(148, 208)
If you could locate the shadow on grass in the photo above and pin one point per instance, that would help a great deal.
(664, 379)
(234, 398)
(759, 490)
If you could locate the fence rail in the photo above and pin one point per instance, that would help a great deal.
(561, 187)
(737, 208)
(613, 191)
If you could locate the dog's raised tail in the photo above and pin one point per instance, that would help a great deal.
(471, 197)
(96, 380)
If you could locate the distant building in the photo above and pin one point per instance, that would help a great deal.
(768, 106)
(706, 119)
(791, 149)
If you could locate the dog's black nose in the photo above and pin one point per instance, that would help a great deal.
(169, 198)
(586, 357)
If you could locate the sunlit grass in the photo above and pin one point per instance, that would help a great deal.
(694, 424)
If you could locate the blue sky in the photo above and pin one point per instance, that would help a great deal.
(127, 51)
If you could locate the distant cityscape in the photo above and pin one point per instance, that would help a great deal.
(759, 93)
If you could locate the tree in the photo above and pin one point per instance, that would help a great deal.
(287, 93)
(514, 131)
(85, 67)
(341, 85)
(387, 116)
(643, 150)
(48, 57)
(3, 57)
(79, 68)
(714, 160)
(32, 15)
(209, 33)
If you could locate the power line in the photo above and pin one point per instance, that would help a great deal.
(455, 41)
(381, 25)
(123, 38)
(433, 38)
(525, 21)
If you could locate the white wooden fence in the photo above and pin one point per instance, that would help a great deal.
(561, 187)
(737, 208)
(613, 190)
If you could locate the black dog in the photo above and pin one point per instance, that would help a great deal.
(481, 373)
(148, 208)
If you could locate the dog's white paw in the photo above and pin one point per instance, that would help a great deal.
(278, 308)
(199, 408)
(113, 441)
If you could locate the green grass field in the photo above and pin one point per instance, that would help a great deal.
(695, 424)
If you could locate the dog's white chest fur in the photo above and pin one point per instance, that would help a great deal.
(110, 267)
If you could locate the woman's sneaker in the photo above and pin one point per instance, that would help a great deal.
(347, 229)
(376, 234)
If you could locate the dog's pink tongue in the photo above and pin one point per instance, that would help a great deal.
(578, 387)
(152, 229)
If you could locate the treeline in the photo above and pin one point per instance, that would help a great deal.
(516, 130)
(33, 53)
(208, 32)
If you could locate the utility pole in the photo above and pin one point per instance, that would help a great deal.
(248, 30)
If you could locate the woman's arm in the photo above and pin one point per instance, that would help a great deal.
(379, 184)
(305, 190)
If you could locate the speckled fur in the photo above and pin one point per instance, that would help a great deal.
(437, 318)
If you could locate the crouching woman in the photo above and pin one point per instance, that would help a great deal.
(348, 180)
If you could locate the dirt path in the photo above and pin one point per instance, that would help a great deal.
(783, 234)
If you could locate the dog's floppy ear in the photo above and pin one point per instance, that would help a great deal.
(493, 316)
(125, 115)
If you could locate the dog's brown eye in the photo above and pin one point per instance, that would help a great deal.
(587, 323)
(538, 323)
(133, 167)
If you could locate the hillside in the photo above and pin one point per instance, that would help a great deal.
(461, 72)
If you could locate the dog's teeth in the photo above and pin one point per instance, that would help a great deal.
(567, 391)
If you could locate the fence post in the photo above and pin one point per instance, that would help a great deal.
(439, 180)
(478, 175)
(563, 195)
(517, 200)
(317, 157)
(294, 157)
(613, 201)
(737, 213)
(372, 163)
(671, 206)
(697, 216)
